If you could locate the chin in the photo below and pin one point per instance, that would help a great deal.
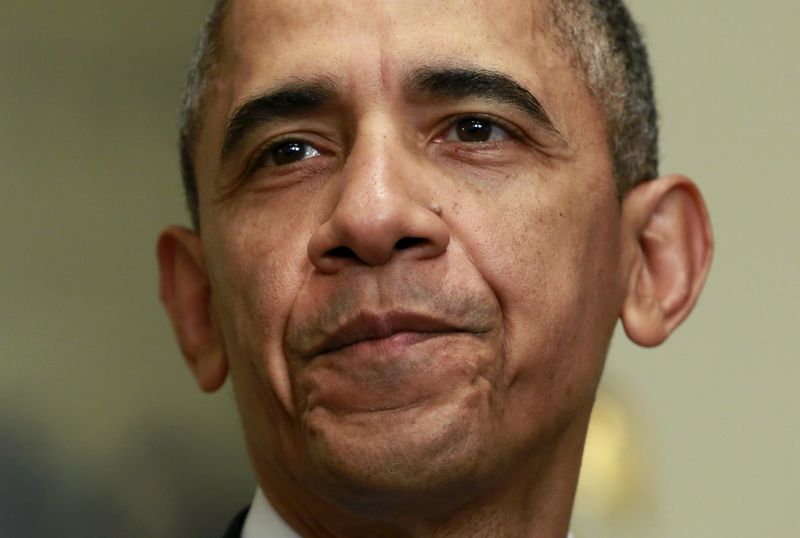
(414, 455)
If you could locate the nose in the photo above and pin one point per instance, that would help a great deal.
(383, 212)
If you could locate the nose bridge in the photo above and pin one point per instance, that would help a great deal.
(382, 208)
(373, 179)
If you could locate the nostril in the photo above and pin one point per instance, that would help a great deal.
(341, 252)
(409, 242)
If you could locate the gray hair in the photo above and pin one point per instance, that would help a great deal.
(606, 46)
(600, 38)
(202, 69)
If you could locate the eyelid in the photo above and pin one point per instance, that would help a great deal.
(251, 166)
(514, 132)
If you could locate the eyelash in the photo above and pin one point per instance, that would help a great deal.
(514, 133)
(252, 165)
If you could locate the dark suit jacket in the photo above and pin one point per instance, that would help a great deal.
(235, 528)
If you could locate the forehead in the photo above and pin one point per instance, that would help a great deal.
(378, 40)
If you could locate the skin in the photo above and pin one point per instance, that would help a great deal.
(514, 257)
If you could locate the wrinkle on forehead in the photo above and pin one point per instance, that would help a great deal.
(272, 42)
(508, 21)
(259, 36)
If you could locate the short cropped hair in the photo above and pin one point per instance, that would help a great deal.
(599, 37)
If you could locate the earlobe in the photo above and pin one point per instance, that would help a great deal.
(186, 295)
(667, 251)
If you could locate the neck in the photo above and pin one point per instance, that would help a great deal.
(533, 500)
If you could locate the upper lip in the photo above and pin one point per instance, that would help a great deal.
(372, 326)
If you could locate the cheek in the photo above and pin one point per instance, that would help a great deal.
(261, 267)
(551, 259)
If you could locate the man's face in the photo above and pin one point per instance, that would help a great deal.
(416, 276)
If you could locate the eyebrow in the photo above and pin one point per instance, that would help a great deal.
(297, 98)
(465, 83)
(290, 100)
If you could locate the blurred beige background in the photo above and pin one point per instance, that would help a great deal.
(102, 431)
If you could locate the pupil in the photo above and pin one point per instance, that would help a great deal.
(288, 153)
(474, 130)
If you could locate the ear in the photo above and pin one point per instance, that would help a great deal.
(667, 246)
(186, 295)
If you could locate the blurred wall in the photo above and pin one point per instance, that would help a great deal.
(102, 431)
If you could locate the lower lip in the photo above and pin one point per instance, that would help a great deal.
(396, 343)
(402, 371)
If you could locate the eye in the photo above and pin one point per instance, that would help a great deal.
(284, 153)
(473, 129)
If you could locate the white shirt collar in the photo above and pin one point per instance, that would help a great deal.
(264, 522)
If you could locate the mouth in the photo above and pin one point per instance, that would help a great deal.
(370, 328)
